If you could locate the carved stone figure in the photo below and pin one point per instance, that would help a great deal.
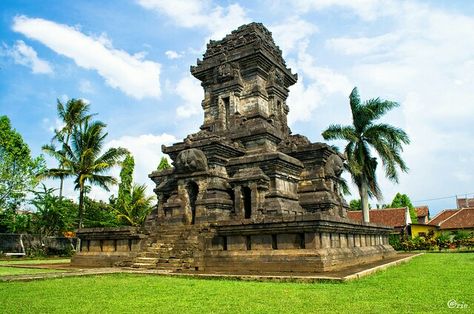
(334, 166)
(191, 160)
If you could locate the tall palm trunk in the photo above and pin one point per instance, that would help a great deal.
(364, 200)
(61, 166)
(81, 210)
(81, 206)
(61, 187)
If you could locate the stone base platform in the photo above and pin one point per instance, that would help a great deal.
(107, 247)
(347, 274)
(303, 244)
(309, 243)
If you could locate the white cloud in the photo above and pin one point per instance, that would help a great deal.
(131, 74)
(315, 85)
(86, 87)
(425, 61)
(171, 54)
(27, 56)
(191, 92)
(292, 31)
(363, 45)
(146, 150)
(303, 100)
(365, 9)
(200, 14)
(50, 126)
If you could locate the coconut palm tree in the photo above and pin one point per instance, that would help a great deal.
(83, 160)
(71, 114)
(365, 136)
(135, 210)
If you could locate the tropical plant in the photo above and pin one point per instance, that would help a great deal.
(164, 164)
(362, 136)
(12, 221)
(72, 115)
(18, 170)
(132, 205)
(54, 214)
(402, 200)
(135, 212)
(99, 214)
(444, 240)
(83, 160)
(356, 205)
(126, 180)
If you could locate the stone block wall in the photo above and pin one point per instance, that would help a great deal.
(104, 247)
(307, 245)
(12, 243)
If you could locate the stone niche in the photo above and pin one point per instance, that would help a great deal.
(244, 193)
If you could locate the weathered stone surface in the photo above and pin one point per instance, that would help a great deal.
(246, 195)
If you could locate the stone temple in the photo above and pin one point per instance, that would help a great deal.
(244, 193)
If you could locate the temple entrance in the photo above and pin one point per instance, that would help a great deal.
(247, 195)
(193, 190)
(226, 101)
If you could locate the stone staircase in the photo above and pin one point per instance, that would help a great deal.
(171, 248)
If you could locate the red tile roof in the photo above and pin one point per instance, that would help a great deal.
(465, 202)
(445, 214)
(422, 211)
(462, 219)
(393, 217)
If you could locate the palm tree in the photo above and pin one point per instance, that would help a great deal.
(72, 114)
(82, 160)
(136, 209)
(363, 136)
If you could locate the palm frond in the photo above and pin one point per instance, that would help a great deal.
(375, 108)
(339, 132)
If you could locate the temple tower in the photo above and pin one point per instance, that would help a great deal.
(244, 194)
(244, 163)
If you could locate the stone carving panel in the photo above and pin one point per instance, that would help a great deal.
(191, 160)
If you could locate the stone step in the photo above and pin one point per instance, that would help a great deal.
(149, 260)
(160, 245)
(148, 255)
(144, 265)
(170, 248)
(170, 261)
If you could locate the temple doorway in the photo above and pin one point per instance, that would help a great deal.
(193, 190)
(247, 195)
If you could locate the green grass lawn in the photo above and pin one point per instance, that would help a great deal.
(7, 271)
(425, 285)
(34, 261)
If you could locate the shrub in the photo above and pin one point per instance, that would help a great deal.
(394, 241)
(444, 240)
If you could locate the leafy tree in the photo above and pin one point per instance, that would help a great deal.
(132, 205)
(402, 200)
(164, 164)
(362, 136)
(18, 170)
(356, 205)
(126, 179)
(99, 214)
(72, 115)
(135, 212)
(84, 161)
(14, 222)
(54, 214)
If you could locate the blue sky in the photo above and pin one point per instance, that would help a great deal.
(130, 60)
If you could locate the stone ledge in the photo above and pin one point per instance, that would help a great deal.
(344, 276)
